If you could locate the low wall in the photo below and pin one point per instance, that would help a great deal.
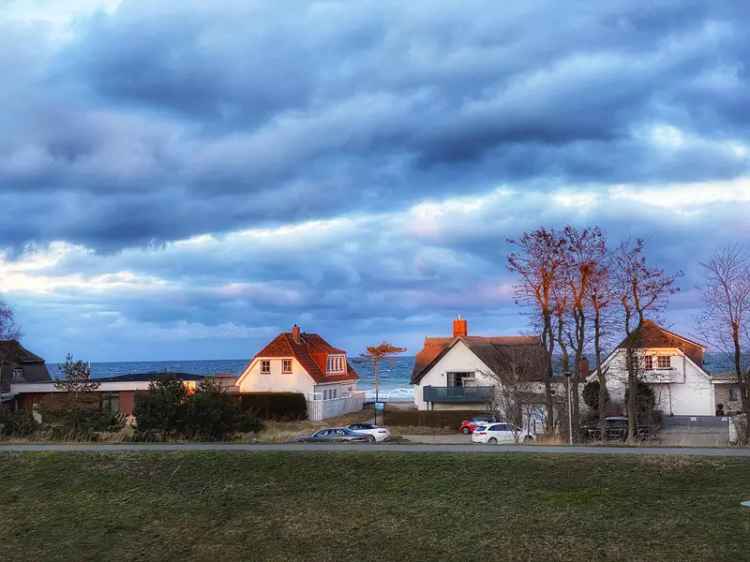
(318, 410)
(427, 418)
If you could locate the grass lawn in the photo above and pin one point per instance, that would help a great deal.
(371, 506)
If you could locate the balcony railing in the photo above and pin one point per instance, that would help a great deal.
(457, 393)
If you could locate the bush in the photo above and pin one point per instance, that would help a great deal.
(591, 396)
(646, 400)
(211, 414)
(161, 409)
(17, 424)
(79, 418)
(281, 406)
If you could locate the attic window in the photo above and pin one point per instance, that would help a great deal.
(17, 375)
(265, 367)
(663, 362)
(336, 364)
(286, 366)
(648, 362)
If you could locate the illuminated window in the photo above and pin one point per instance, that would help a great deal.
(286, 366)
(663, 362)
(648, 362)
(265, 367)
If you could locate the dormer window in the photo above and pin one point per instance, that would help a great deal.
(648, 362)
(336, 364)
(663, 362)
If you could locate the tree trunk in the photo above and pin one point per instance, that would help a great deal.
(549, 343)
(601, 378)
(632, 405)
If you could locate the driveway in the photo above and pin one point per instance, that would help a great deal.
(375, 448)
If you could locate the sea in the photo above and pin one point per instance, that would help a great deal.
(394, 372)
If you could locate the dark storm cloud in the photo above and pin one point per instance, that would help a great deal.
(163, 122)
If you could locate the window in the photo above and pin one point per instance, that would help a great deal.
(265, 367)
(111, 402)
(335, 392)
(734, 394)
(336, 363)
(648, 362)
(286, 366)
(663, 362)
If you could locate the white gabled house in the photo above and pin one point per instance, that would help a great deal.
(673, 366)
(307, 364)
(462, 372)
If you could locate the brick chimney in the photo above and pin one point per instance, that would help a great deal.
(296, 334)
(460, 328)
(583, 372)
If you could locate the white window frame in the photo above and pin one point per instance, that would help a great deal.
(284, 370)
(648, 362)
(263, 363)
(336, 364)
(660, 358)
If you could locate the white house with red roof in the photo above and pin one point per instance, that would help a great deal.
(303, 362)
(672, 365)
(462, 372)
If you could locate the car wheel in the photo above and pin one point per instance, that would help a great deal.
(493, 441)
(528, 438)
(371, 439)
(465, 431)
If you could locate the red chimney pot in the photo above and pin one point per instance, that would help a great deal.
(296, 334)
(460, 328)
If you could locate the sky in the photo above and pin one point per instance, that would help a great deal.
(183, 180)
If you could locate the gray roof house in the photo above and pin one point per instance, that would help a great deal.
(18, 364)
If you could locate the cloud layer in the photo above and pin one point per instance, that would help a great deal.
(188, 179)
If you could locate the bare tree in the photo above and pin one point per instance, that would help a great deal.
(538, 260)
(76, 379)
(601, 298)
(9, 329)
(514, 398)
(725, 320)
(641, 290)
(585, 251)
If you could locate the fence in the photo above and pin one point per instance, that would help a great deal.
(322, 409)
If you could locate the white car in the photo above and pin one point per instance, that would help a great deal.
(500, 432)
(376, 432)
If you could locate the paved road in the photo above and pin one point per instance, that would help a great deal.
(378, 448)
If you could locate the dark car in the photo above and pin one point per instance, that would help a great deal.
(468, 426)
(337, 435)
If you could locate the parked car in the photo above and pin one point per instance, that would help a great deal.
(499, 433)
(338, 435)
(468, 426)
(377, 432)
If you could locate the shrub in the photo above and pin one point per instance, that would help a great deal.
(591, 396)
(17, 424)
(210, 413)
(79, 417)
(162, 408)
(275, 405)
(646, 400)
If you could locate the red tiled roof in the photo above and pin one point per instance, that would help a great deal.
(309, 346)
(491, 350)
(650, 335)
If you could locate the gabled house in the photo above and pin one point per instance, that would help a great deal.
(19, 365)
(462, 372)
(305, 363)
(672, 365)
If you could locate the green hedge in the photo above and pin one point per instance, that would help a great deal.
(275, 405)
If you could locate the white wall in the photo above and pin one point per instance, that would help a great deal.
(252, 380)
(459, 359)
(683, 391)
